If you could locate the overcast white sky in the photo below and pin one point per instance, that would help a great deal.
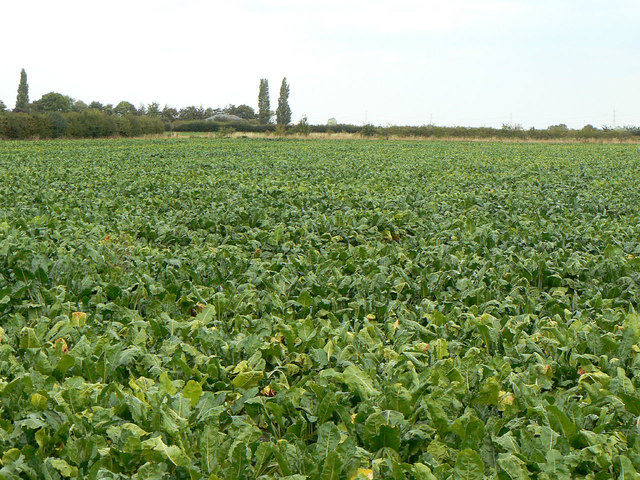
(453, 62)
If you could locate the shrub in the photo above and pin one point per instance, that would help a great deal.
(224, 131)
(4, 127)
(369, 131)
(123, 126)
(302, 127)
(58, 125)
(136, 127)
(21, 125)
(89, 123)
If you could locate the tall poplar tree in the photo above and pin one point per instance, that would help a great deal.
(22, 101)
(264, 108)
(283, 113)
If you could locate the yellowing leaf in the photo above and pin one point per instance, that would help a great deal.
(362, 474)
(78, 319)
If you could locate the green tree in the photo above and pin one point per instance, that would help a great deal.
(22, 101)
(283, 113)
(108, 109)
(125, 108)
(264, 108)
(53, 102)
(153, 110)
(169, 114)
(79, 106)
(242, 111)
(3, 107)
(192, 112)
(558, 131)
(96, 106)
(369, 130)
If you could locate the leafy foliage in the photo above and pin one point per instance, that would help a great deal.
(323, 310)
(22, 99)
(53, 102)
(283, 112)
(88, 123)
(264, 107)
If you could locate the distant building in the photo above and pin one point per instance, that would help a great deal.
(225, 117)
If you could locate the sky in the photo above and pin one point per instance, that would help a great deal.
(532, 63)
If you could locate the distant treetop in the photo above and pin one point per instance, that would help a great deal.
(22, 100)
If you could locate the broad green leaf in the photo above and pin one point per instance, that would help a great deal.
(469, 429)
(248, 379)
(192, 391)
(206, 314)
(398, 398)
(10, 456)
(469, 466)
(440, 347)
(29, 338)
(167, 383)
(332, 467)
(263, 453)
(438, 417)
(42, 437)
(63, 467)
(305, 299)
(556, 466)
(65, 363)
(489, 393)
(438, 318)
(358, 382)
(39, 401)
(569, 428)
(422, 472)
(631, 402)
(135, 429)
(627, 471)
(150, 471)
(328, 438)
(382, 430)
(612, 251)
(513, 466)
(172, 452)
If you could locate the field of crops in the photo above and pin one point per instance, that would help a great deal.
(262, 309)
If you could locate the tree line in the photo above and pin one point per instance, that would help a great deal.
(56, 115)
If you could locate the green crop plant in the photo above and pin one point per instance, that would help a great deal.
(232, 309)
